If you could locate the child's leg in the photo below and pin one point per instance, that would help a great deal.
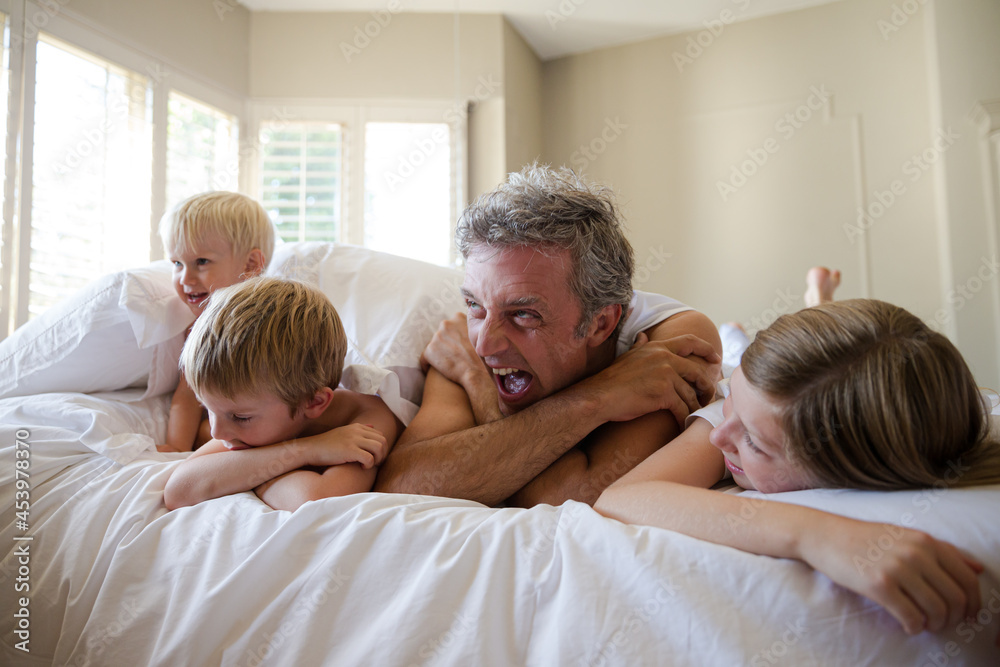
(821, 283)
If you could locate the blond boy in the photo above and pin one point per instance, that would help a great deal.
(214, 240)
(265, 359)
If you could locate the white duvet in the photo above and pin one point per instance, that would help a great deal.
(111, 578)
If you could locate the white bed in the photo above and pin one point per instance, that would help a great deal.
(111, 578)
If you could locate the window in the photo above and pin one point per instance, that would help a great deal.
(92, 163)
(99, 147)
(300, 179)
(202, 148)
(408, 190)
(387, 178)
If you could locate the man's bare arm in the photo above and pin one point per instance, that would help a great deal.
(444, 453)
(451, 354)
(616, 447)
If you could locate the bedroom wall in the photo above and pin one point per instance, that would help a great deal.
(747, 152)
(390, 55)
(523, 112)
(373, 55)
(965, 70)
(207, 40)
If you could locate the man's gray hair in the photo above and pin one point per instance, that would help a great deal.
(545, 208)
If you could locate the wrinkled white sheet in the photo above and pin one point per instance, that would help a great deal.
(377, 579)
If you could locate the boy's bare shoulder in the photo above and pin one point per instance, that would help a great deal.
(350, 397)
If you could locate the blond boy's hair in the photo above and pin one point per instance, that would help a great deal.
(238, 219)
(266, 336)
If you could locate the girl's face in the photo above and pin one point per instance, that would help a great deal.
(752, 441)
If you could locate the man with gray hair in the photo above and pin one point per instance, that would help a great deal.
(534, 394)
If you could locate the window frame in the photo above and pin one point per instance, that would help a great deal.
(352, 115)
(64, 25)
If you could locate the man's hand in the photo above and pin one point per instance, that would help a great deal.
(696, 362)
(658, 375)
(354, 443)
(452, 355)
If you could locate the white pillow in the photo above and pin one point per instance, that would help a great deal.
(390, 306)
(123, 330)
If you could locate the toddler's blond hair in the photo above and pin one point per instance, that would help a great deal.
(238, 219)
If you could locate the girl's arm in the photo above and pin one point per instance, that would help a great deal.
(925, 583)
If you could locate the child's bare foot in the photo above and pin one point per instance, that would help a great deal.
(821, 283)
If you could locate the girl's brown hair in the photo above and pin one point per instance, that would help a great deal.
(872, 398)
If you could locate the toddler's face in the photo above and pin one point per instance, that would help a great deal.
(752, 441)
(200, 270)
(251, 421)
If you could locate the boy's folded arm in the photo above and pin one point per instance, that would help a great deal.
(291, 490)
(213, 471)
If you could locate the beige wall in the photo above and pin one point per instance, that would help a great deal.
(965, 65)
(208, 40)
(667, 132)
(353, 55)
(523, 97)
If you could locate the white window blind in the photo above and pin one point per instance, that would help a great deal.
(202, 148)
(301, 177)
(92, 162)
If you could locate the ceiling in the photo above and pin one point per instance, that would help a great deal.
(557, 28)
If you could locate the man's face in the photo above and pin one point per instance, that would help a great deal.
(523, 319)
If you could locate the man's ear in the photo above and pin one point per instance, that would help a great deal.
(318, 404)
(603, 324)
(255, 263)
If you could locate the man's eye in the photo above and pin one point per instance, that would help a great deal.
(473, 307)
(240, 420)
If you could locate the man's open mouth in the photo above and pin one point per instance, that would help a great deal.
(512, 383)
